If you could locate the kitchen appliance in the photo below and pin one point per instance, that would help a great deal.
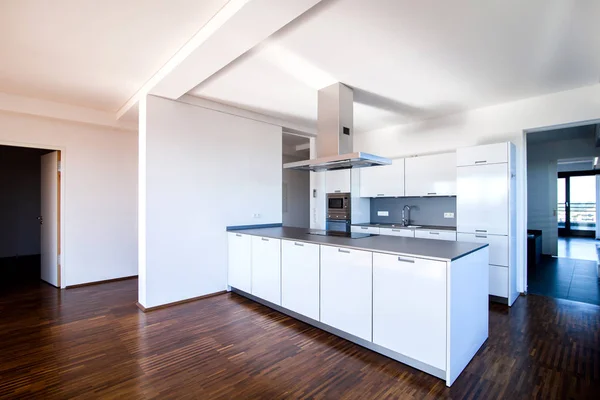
(338, 212)
(349, 235)
(334, 140)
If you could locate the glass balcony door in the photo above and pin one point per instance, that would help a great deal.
(576, 205)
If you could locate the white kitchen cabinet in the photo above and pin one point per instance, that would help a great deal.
(346, 290)
(415, 330)
(499, 281)
(337, 181)
(266, 269)
(365, 229)
(482, 199)
(239, 273)
(498, 246)
(435, 234)
(432, 175)
(482, 155)
(404, 232)
(383, 181)
(300, 271)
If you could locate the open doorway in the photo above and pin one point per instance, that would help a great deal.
(563, 202)
(296, 184)
(30, 237)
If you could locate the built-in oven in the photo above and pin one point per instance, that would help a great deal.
(338, 212)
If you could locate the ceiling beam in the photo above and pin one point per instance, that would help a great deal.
(236, 28)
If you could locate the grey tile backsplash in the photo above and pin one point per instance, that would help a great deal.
(423, 210)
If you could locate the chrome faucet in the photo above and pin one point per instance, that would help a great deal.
(406, 215)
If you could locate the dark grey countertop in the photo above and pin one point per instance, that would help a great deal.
(420, 227)
(424, 248)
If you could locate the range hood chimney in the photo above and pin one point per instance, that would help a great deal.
(335, 134)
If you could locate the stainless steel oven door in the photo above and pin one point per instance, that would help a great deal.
(338, 225)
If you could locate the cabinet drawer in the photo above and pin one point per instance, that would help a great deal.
(499, 281)
(397, 232)
(498, 246)
(365, 229)
(435, 234)
(346, 290)
(481, 155)
(418, 332)
(300, 277)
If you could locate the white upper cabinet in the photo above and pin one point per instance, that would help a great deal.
(266, 269)
(337, 181)
(300, 267)
(346, 290)
(383, 181)
(433, 175)
(482, 199)
(240, 262)
(481, 155)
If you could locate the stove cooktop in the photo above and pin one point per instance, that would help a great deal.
(349, 235)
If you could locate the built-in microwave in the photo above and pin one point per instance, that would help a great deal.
(338, 206)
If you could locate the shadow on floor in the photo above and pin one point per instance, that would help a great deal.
(565, 278)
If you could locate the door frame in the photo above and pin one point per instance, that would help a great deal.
(61, 211)
(567, 231)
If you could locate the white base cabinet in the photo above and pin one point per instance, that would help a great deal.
(239, 274)
(346, 290)
(417, 330)
(436, 234)
(403, 232)
(266, 269)
(364, 229)
(300, 276)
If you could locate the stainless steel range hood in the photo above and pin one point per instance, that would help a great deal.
(335, 134)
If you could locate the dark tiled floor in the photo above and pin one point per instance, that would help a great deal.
(566, 278)
(578, 248)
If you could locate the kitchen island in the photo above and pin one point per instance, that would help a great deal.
(422, 302)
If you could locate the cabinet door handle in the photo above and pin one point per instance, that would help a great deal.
(481, 162)
(364, 227)
(344, 251)
(299, 244)
(238, 235)
(434, 233)
(395, 230)
(481, 236)
(380, 194)
(406, 260)
(337, 191)
(432, 193)
(264, 239)
(481, 230)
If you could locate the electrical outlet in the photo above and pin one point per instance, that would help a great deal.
(383, 213)
(256, 215)
(449, 215)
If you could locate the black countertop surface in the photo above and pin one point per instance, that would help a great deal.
(420, 227)
(423, 248)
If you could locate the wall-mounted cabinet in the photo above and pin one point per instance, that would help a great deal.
(432, 175)
(485, 154)
(337, 181)
(383, 181)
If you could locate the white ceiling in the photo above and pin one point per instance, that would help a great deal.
(409, 60)
(94, 54)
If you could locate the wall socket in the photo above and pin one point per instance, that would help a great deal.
(383, 213)
(449, 215)
(257, 215)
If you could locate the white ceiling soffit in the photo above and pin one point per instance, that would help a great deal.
(412, 60)
(585, 132)
(238, 27)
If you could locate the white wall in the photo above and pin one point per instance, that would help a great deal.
(296, 202)
(504, 122)
(542, 185)
(99, 198)
(20, 201)
(200, 171)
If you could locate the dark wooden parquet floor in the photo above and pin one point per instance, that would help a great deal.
(92, 342)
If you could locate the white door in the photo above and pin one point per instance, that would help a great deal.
(482, 199)
(415, 328)
(50, 268)
(300, 278)
(240, 262)
(346, 300)
(266, 269)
